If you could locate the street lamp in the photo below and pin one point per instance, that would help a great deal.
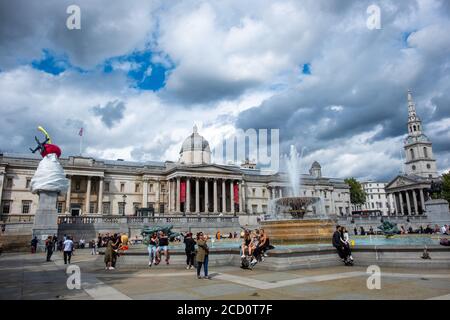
(124, 197)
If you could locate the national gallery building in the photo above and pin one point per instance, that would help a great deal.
(191, 186)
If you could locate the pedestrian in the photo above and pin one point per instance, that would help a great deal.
(68, 249)
(34, 243)
(94, 247)
(190, 250)
(109, 255)
(49, 246)
(153, 249)
(355, 231)
(202, 255)
(164, 245)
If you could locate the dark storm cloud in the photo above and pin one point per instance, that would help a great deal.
(111, 113)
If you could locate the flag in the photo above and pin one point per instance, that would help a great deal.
(81, 132)
(236, 193)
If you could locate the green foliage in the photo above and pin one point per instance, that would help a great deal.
(446, 186)
(357, 194)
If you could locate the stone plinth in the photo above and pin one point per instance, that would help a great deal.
(46, 218)
(299, 230)
(437, 211)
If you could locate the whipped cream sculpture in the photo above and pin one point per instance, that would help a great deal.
(49, 175)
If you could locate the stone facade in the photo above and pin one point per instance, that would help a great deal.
(115, 187)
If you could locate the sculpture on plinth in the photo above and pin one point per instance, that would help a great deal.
(167, 229)
(48, 182)
(388, 228)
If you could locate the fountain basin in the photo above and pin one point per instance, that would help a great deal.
(299, 230)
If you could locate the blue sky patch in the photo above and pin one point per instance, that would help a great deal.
(306, 68)
(51, 63)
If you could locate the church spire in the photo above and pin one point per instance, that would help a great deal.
(414, 122)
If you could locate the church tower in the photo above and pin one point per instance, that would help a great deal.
(418, 148)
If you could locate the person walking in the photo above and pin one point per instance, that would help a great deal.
(34, 243)
(153, 249)
(190, 250)
(202, 255)
(68, 249)
(49, 245)
(94, 247)
(164, 245)
(109, 255)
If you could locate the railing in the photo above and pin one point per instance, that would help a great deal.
(170, 219)
(17, 218)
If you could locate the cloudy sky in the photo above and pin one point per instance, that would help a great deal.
(139, 74)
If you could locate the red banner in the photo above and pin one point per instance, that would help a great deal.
(236, 193)
(183, 191)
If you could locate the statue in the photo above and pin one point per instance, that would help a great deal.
(389, 229)
(167, 229)
(48, 182)
(435, 190)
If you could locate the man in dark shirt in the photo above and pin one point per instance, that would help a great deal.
(337, 242)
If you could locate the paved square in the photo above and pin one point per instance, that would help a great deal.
(27, 276)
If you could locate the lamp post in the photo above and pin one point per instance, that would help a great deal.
(124, 197)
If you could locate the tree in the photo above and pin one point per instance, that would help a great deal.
(446, 186)
(357, 194)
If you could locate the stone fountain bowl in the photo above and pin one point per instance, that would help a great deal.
(296, 203)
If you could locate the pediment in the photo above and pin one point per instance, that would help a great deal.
(401, 181)
(209, 168)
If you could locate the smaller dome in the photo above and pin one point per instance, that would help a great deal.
(316, 165)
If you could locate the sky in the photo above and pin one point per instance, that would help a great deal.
(139, 74)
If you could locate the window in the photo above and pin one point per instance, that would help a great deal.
(136, 206)
(264, 192)
(122, 187)
(264, 208)
(121, 208)
(26, 204)
(414, 168)
(253, 191)
(428, 166)
(77, 185)
(6, 206)
(106, 186)
(373, 206)
(412, 153)
(92, 207)
(151, 187)
(254, 208)
(9, 183)
(27, 183)
(106, 208)
(136, 187)
(59, 207)
(425, 152)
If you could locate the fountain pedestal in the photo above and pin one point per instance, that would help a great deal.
(299, 230)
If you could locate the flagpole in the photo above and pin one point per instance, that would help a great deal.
(81, 139)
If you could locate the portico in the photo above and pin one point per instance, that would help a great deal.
(407, 193)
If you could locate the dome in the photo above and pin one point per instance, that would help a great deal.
(195, 142)
(315, 165)
(195, 149)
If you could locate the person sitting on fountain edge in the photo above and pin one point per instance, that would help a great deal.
(337, 243)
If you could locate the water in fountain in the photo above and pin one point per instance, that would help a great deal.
(293, 170)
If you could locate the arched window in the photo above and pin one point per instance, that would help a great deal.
(425, 152)
(414, 128)
(412, 154)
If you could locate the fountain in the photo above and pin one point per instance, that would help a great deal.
(297, 219)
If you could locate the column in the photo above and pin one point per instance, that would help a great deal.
(144, 193)
(188, 195)
(88, 195)
(206, 197)
(416, 209)
(68, 195)
(281, 192)
(408, 202)
(273, 192)
(157, 195)
(422, 201)
(177, 195)
(100, 196)
(401, 203)
(242, 206)
(224, 203)
(232, 196)
(169, 203)
(197, 195)
(215, 196)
